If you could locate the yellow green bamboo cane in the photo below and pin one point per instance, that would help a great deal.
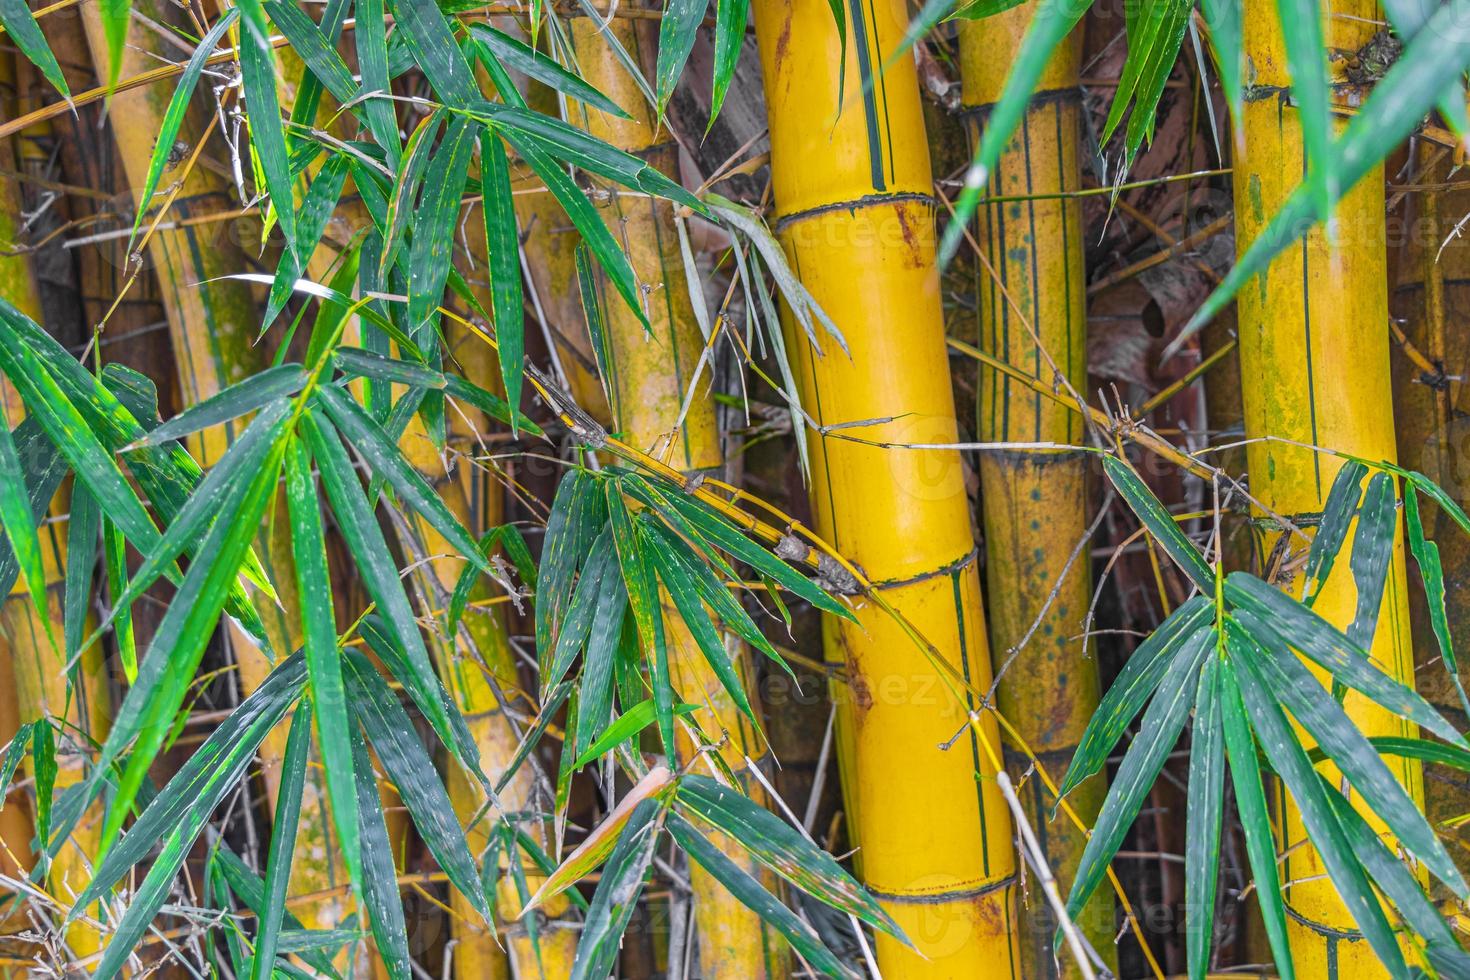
(1315, 368)
(856, 217)
(1033, 315)
(651, 371)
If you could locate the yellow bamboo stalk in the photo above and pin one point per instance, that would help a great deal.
(1430, 298)
(1033, 316)
(41, 688)
(650, 378)
(1315, 368)
(857, 221)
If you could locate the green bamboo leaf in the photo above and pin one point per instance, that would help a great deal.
(617, 893)
(601, 561)
(243, 397)
(1321, 715)
(167, 476)
(627, 725)
(316, 209)
(432, 247)
(115, 553)
(43, 761)
(359, 363)
(314, 48)
(44, 470)
(1398, 883)
(391, 732)
(20, 24)
(1162, 723)
(1372, 551)
(519, 56)
(1290, 761)
(578, 513)
(67, 430)
(1301, 30)
(678, 29)
(750, 894)
(406, 187)
(1176, 637)
(386, 459)
(309, 90)
(1433, 59)
(82, 532)
(282, 845)
(719, 533)
(589, 223)
(20, 528)
(1255, 818)
(380, 876)
(643, 599)
(323, 659)
(599, 661)
(491, 404)
(380, 577)
(503, 246)
(1053, 21)
(250, 889)
(178, 644)
(1160, 523)
(178, 814)
(1225, 21)
(267, 136)
(1337, 515)
(115, 15)
(1303, 630)
(780, 847)
(1441, 499)
(218, 493)
(1206, 806)
(686, 598)
(15, 753)
(370, 33)
(730, 21)
(1155, 33)
(429, 38)
(581, 149)
(175, 112)
(711, 590)
(1426, 556)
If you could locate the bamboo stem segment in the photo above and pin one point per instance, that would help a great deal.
(1315, 368)
(1034, 505)
(650, 376)
(855, 216)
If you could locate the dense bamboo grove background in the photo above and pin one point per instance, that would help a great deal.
(733, 489)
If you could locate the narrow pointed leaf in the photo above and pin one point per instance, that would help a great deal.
(282, 845)
(323, 659)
